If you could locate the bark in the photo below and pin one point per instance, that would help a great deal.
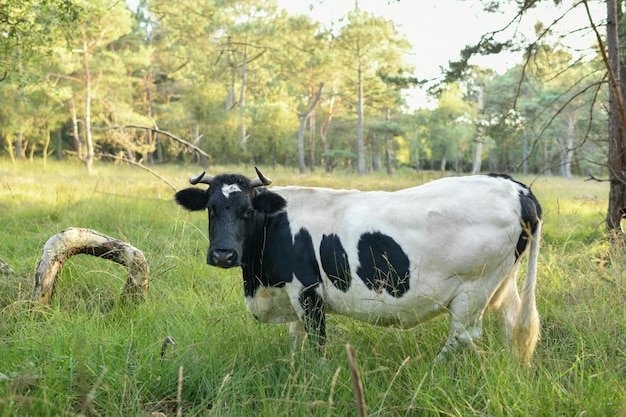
(478, 156)
(75, 134)
(242, 96)
(617, 116)
(303, 118)
(568, 155)
(60, 247)
(88, 137)
(5, 269)
(360, 153)
(388, 145)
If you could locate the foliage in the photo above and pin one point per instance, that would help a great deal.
(88, 355)
(238, 79)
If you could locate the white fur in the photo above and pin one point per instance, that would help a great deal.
(228, 189)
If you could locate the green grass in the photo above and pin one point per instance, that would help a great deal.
(88, 355)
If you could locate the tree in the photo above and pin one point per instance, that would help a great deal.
(615, 62)
(370, 43)
(108, 21)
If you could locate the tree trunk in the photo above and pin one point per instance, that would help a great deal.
(478, 156)
(242, 96)
(568, 152)
(312, 141)
(303, 118)
(59, 146)
(360, 151)
(75, 134)
(617, 145)
(388, 144)
(88, 138)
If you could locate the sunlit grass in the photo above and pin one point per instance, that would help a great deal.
(87, 354)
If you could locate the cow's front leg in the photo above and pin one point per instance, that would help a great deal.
(313, 316)
(296, 334)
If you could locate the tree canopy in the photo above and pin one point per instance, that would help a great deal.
(245, 81)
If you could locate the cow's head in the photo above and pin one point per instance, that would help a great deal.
(236, 205)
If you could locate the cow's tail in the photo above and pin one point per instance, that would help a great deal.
(526, 330)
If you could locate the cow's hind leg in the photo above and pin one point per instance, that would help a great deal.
(505, 304)
(466, 316)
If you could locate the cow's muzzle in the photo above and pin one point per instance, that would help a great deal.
(223, 258)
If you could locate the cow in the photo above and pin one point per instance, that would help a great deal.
(451, 246)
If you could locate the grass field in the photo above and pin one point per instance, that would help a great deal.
(88, 355)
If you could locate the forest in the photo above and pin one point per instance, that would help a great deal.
(224, 82)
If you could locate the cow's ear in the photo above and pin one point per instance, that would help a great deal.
(268, 202)
(192, 199)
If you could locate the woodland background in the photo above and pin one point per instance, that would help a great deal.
(246, 82)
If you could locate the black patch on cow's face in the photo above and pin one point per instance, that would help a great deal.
(383, 265)
(335, 262)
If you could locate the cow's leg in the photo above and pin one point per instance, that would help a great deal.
(313, 315)
(506, 305)
(296, 334)
(466, 314)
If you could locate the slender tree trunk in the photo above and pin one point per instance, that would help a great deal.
(325, 126)
(75, 134)
(242, 96)
(88, 137)
(303, 119)
(20, 152)
(388, 145)
(569, 146)
(617, 139)
(360, 152)
(59, 147)
(478, 156)
(46, 145)
(312, 141)
(525, 152)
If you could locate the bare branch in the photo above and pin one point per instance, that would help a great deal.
(166, 133)
(612, 77)
(121, 158)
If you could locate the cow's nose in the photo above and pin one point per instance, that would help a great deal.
(224, 258)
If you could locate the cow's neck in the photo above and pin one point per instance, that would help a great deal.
(260, 264)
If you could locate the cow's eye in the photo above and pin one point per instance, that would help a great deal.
(247, 213)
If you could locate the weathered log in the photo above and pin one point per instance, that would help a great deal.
(73, 241)
(5, 269)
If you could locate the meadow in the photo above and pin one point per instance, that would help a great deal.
(192, 349)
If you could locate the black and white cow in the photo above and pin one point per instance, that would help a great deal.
(389, 258)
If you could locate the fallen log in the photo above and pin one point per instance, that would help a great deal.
(73, 241)
(5, 269)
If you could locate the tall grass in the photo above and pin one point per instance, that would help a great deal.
(88, 355)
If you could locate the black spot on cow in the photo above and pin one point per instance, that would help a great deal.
(335, 262)
(383, 265)
(303, 261)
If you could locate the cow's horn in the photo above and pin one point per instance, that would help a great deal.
(261, 180)
(201, 178)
